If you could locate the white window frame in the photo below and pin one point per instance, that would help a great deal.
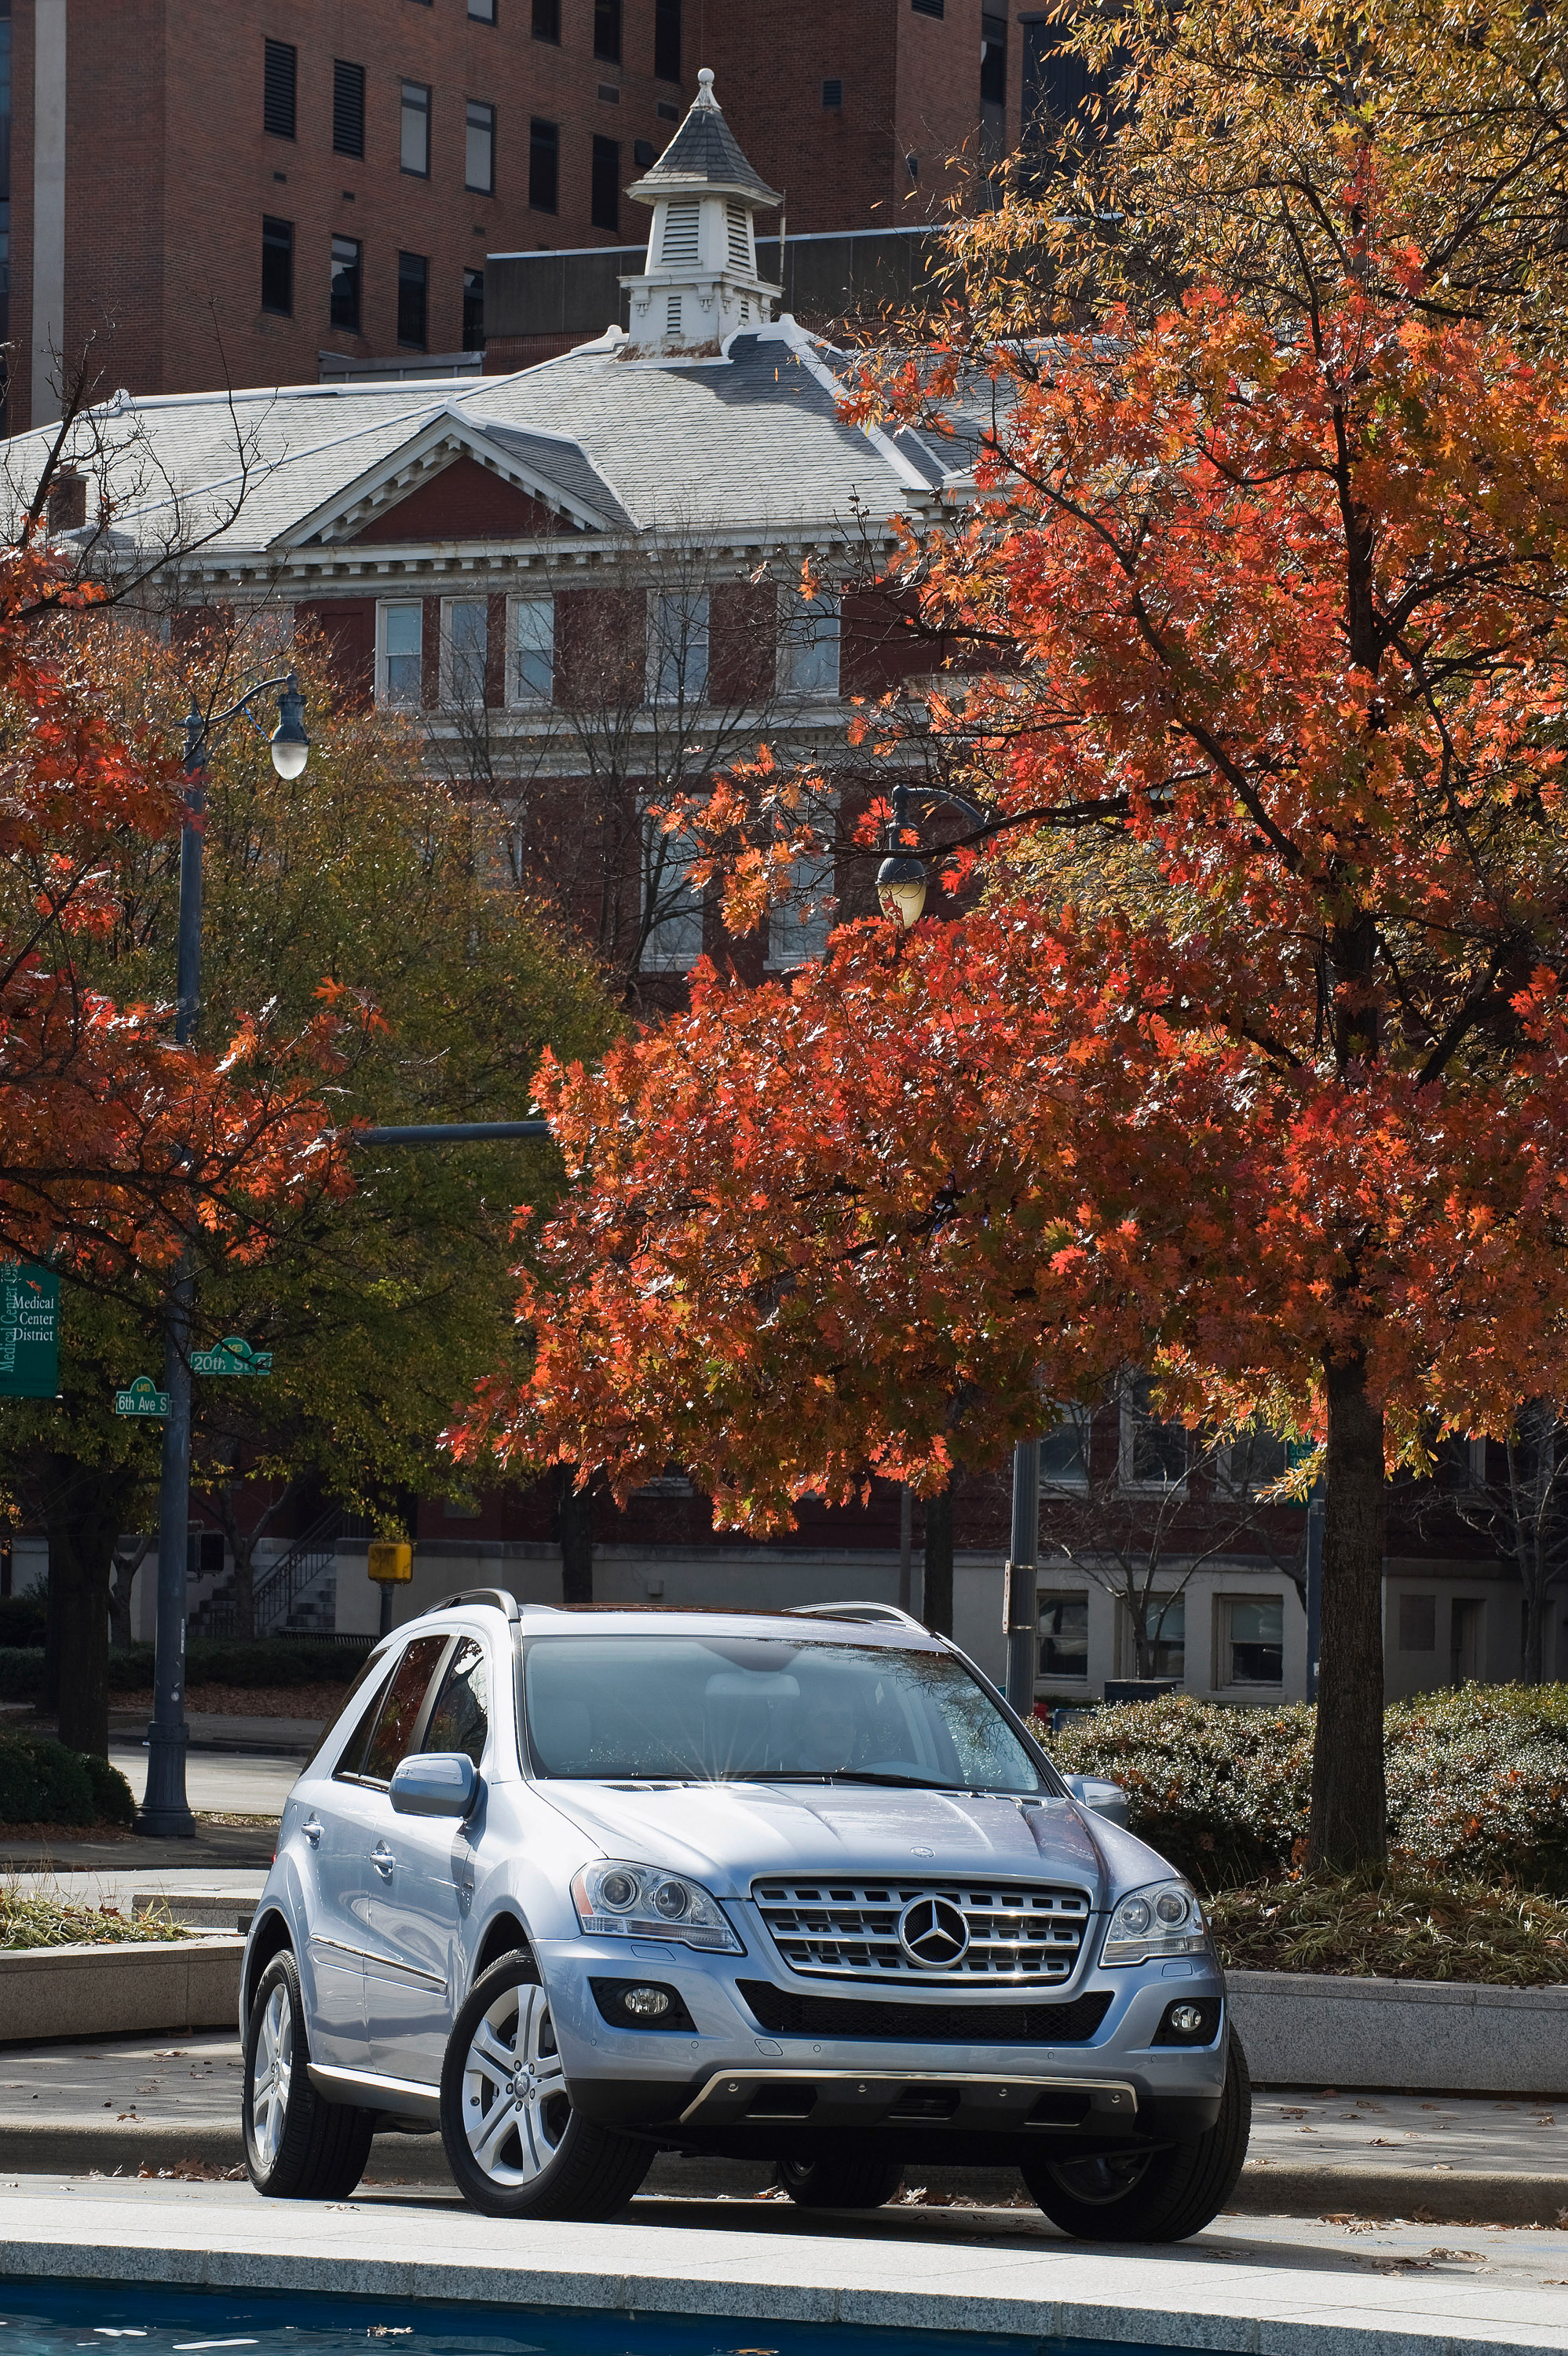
(1049, 1679)
(682, 929)
(1082, 1420)
(666, 688)
(384, 696)
(1232, 1474)
(796, 940)
(1224, 1602)
(449, 695)
(517, 699)
(1126, 1477)
(809, 640)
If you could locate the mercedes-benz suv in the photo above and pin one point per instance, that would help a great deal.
(576, 1887)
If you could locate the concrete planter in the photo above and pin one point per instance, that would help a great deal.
(154, 1983)
(1302, 2028)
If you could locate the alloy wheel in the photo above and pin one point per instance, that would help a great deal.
(1105, 2177)
(273, 2075)
(515, 2104)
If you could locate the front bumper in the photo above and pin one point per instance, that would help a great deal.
(719, 2081)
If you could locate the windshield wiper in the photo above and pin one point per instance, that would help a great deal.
(842, 1775)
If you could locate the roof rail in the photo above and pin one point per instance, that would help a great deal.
(855, 1612)
(499, 1596)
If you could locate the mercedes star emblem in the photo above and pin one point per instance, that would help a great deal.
(933, 1933)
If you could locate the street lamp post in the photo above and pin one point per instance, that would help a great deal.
(165, 1811)
(900, 888)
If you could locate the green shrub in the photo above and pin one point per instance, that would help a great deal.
(227, 1661)
(22, 1620)
(21, 1673)
(43, 1782)
(49, 1921)
(1477, 1782)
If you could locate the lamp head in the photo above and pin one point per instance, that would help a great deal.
(290, 744)
(900, 888)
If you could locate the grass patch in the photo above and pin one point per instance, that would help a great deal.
(31, 1920)
(1399, 1925)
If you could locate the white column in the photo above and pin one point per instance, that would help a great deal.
(49, 204)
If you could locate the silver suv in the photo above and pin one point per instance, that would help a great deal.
(576, 1888)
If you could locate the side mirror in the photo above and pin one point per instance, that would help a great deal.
(435, 1784)
(1093, 1792)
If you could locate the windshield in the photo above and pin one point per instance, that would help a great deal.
(767, 1709)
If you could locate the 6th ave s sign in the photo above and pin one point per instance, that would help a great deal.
(142, 1397)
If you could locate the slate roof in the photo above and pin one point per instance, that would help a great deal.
(704, 153)
(753, 444)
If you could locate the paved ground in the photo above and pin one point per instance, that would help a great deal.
(1276, 2286)
(251, 1782)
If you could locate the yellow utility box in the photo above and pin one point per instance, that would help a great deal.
(390, 1564)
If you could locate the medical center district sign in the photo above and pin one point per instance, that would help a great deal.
(29, 1331)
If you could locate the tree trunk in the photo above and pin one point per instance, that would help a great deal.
(82, 1514)
(574, 1527)
(53, 1590)
(936, 1598)
(121, 1588)
(1348, 1826)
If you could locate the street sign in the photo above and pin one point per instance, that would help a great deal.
(142, 1397)
(390, 1563)
(29, 1331)
(231, 1357)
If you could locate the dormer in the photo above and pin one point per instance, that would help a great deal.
(700, 283)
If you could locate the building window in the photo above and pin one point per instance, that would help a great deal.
(666, 40)
(533, 649)
(347, 108)
(413, 300)
(1063, 1637)
(607, 30)
(479, 154)
(604, 192)
(1418, 1623)
(833, 92)
(672, 905)
(278, 266)
(414, 151)
(993, 61)
(808, 645)
(798, 928)
(544, 165)
(347, 253)
(482, 12)
(402, 655)
(1165, 1620)
(1064, 1451)
(677, 647)
(467, 652)
(1257, 1457)
(547, 20)
(473, 310)
(280, 73)
(1252, 1641)
(1154, 1453)
(928, 7)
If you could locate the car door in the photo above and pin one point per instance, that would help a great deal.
(351, 1857)
(326, 1852)
(412, 1994)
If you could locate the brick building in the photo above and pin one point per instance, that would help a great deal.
(253, 193)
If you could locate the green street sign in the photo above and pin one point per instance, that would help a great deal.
(29, 1331)
(231, 1357)
(142, 1397)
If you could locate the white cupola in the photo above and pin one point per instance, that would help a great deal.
(700, 282)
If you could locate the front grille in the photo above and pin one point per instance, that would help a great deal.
(783, 2014)
(1017, 1931)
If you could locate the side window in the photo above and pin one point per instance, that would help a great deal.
(461, 1718)
(355, 1747)
(393, 1736)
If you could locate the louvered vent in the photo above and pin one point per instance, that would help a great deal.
(740, 236)
(672, 316)
(347, 108)
(681, 225)
(280, 62)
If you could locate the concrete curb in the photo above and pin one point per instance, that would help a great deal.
(156, 1983)
(1304, 2029)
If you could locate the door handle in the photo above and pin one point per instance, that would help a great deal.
(312, 1831)
(382, 1859)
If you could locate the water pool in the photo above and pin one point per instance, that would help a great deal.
(90, 2319)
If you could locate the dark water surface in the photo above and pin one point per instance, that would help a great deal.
(90, 2318)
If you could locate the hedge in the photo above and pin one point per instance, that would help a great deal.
(209, 1660)
(1477, 1782)
(22, 1620)
(43, 1782)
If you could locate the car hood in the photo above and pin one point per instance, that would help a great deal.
(727, 1833)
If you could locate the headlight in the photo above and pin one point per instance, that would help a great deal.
(644, 1902)
(1164, 1920)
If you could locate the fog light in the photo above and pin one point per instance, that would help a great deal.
(1187, 2018)
(647, 2003)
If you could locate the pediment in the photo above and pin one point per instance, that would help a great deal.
(452, 480)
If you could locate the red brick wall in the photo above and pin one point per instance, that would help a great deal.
(348, 626)
(465, 501)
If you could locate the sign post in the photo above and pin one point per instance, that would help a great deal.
(29, 1331)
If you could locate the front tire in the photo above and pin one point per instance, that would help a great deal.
(297, 2148)
(514, 2143)
(842, 2181)
(1152, 2196)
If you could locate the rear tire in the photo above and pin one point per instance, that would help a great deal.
(840, 2182)
(513, 2141)
(1152, 2196)
(297, 2148)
